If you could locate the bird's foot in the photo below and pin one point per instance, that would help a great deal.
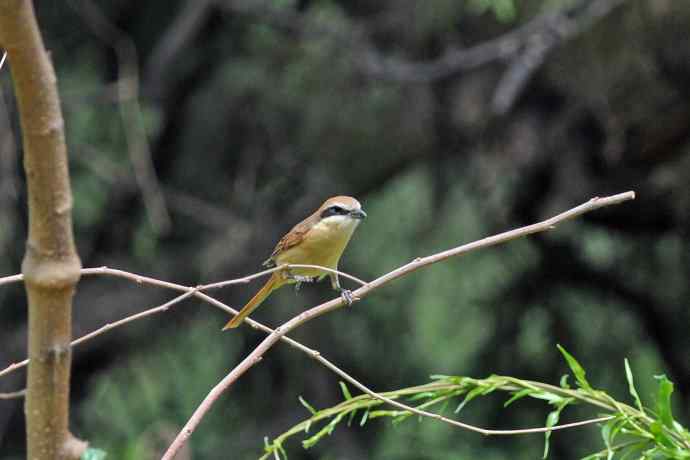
(347, 296)
(301, 279)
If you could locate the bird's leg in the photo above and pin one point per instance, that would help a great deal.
(346, 294)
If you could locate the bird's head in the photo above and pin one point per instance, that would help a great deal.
(341, 211)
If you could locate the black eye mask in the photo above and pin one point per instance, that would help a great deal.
(334, 210)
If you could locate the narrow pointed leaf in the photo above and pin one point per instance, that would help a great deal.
(307, 405)
(577, 369)
(631, 386)
(345, 390)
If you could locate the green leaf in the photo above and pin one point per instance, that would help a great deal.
(633, 450)
(663, 401)
(425, 394)
(564, 381)
(282, 451)
(608, 433)
(660, 437)
(550, 397)
(397, 419)
(307, 405)
(345, 390)
(577, 369)
(364, 418)
(519, 395)
(551, 420)
(92, 453)
(326, 430)
(351, 417)
(477, 391)
(631, 387)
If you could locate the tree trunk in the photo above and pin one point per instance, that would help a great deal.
(51, 266)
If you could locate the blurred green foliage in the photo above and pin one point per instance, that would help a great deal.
(256, 120)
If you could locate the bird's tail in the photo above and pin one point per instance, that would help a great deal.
(274, 282)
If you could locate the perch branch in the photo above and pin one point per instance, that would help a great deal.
(257, 354)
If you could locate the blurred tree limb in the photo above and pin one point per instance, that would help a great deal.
(524, 49)
(51, 266)
(127, 87)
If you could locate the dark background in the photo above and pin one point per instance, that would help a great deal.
(199, 132)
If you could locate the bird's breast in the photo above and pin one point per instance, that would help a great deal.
(322, 245)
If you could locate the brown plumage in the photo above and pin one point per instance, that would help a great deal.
(320, 239)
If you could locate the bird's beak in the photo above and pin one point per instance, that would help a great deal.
(358, 214)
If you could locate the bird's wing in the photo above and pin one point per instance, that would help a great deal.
(292, 238)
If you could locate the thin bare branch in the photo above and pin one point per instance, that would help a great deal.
(151, 311)
(13, 395)
(189, 291)
(2, 59)
(257, 354)
(11, 279)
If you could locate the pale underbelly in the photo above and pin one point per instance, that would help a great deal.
(309, 255)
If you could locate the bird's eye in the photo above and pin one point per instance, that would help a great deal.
(334, 210)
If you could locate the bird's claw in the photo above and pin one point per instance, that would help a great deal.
(347, 296)
(301, 279)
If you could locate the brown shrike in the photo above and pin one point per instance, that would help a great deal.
(320, 239)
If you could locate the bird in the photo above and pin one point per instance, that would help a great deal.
(320, 239)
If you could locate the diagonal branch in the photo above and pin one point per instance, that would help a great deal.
(257, 354)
